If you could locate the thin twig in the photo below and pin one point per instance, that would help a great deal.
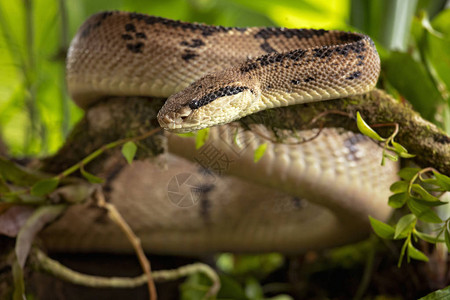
(102, 149)
(53, 267)
(314, 120)
(330, 112)
(117, 218)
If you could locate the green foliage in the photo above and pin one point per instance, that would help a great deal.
(438, 295)
(129, 151)
(249, 264)
(246, 271)
(415, 190)
(91, 177)
(366, 130)
(410, 191)
(400, 70)
(396, 149)
(195, 287)
(383, 230)
(201, 137)
(44, 187)
(427, 63)
(259, 152)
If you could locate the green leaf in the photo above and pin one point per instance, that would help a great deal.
(429, 203)
(423, 212)
(259, 152)
(406, 155)
(447, 238)
(443, 181)
(261, 264)
(253, 289)
(16, 174)
(91, 177)
(408, 173)
(44, 187)
(398, 148)
(201, 137)
(415, 253)
(404, 226)
(413, 82)
(402, 253)
(432, 181)
(423, 193)
(428, 237)
(230, 289)
(381, 229)
(399, 187)
(398, 200)
(438, 295)
(366, 130)
(438, 44)
(195, 287)
(391, 157)
(129, 151)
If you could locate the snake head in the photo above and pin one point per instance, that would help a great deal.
(212, 100)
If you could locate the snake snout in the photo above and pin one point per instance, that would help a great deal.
(169, 121)
(178, 121)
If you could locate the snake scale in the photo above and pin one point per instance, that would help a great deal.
(213, 75)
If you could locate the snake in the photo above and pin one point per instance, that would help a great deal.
(212, 76)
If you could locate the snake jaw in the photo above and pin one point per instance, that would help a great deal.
(179, 121)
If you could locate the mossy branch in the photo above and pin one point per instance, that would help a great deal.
(132, 116)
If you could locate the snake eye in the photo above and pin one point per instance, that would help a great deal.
(194, 104)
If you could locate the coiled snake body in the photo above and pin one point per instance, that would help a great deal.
(214, 75)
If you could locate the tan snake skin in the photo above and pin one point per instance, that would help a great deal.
(335, 180)
(249, 69)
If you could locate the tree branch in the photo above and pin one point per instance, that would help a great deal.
(117, 118)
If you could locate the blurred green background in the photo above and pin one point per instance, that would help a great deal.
(36, 113)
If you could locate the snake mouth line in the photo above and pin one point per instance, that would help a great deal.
(170, 121)
(177, 123)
